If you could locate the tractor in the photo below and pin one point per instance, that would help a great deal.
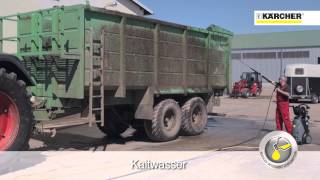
(250, 84)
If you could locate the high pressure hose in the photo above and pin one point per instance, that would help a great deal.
(268, 110)
(258, 134)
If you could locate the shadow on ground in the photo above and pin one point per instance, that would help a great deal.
(69, 141)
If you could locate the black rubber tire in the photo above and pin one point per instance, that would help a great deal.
(232, 94)
(246, 93)
(189, 127)
(156, 129)
(16, 89)
(314, 99)
(307, 139)
(293, 100)
(258, 93)
(116, 121)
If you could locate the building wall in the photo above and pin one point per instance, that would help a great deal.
(271, 67)
(127, 7)
(18, 6)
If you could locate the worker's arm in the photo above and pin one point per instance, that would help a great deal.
(282, 92)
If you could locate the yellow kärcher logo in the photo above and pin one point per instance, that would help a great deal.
(278, 18)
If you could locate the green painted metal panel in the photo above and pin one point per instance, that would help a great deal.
(139, 52)
(53, 44)
(47, 40)
(1, 35)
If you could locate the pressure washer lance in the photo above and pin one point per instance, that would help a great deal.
(276, 85)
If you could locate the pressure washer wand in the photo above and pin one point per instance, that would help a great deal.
(264, 77)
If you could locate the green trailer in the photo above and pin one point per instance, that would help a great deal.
(109, 69)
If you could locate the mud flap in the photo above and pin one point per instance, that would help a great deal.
(145, 107)
(213, 101)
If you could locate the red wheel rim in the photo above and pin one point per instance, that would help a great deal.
(9, 121)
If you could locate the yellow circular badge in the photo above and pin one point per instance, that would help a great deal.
(278, 149)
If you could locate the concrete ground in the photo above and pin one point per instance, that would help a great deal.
(238, 124)
(221, 152)
(118, 165)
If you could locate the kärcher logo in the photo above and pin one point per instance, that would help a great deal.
(279, 16)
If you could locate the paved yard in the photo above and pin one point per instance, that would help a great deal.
(239, 124)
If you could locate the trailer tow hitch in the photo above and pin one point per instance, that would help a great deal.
(35, 102)
(52, 132)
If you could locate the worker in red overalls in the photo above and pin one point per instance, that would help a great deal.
(282, 111)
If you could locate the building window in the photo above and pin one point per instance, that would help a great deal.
(236, 56)
(260, 55)
(294, 54)
(299, 71)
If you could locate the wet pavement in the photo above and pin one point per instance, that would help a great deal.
(238, 128)
(221, 133)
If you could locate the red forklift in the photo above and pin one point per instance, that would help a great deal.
(250, 85)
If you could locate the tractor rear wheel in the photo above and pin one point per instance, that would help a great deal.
(166, 122)
(194, 117)
(16, 118)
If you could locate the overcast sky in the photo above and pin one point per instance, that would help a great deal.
(235, 15)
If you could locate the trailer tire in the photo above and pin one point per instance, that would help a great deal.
(16, 117)
(166, 122)
(194, 117)
(116, 122)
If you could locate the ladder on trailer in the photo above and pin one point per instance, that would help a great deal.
(96, 83)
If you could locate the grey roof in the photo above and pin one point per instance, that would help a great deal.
(146, 10)
(290, 39)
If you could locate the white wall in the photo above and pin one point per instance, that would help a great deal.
(15, 6)
(272, 68)
(127, 7)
